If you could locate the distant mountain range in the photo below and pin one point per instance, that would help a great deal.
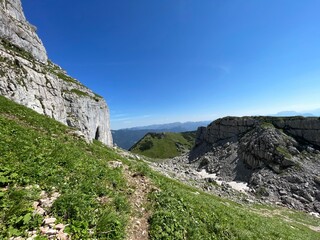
(126, 138)
(313, 113)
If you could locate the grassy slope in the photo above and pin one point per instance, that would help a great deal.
(164, 145)
(182, 213)
(37, 150)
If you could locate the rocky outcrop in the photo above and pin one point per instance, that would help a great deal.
(268, 146)
(16, 29)
(227, 129)
(307, 129)
(263, 141)
(28, 78)
(278, 157)
(231, 128)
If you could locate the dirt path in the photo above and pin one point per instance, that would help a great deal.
(138, 224)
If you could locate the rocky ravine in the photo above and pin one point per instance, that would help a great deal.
(28, 78)
(277, 157)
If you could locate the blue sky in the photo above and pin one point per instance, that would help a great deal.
(186, 60)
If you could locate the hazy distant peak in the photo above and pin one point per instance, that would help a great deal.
(186, 126)
(292, 113)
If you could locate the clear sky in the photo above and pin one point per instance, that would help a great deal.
(157, 61)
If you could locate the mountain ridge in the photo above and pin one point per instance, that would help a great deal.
(188, 126)
(126, 138)
(294, 113)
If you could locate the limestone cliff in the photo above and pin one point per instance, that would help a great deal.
(28, 78)
(15, 28)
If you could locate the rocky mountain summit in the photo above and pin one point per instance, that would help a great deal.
(28, 78)
(277, 157)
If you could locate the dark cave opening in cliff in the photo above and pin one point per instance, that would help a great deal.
(97, 136)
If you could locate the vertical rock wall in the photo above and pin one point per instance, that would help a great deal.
(28, 78)
(16, 29)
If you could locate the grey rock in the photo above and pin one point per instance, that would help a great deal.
(288, 162)
(51, 232)
(291, 201)
(201, 133)
(294, 179)
(282, 192)
(300, 198)
(293, 150)
(310, 149)
(233, 127)
(318, 195)
(295, 188)
(16, 29)
(276, 156)
(316, 206)
(44, 86)
(306, 195)
(48, 221)
(256, 180)
(265, 146)
(210, 180)
(40, 211)
(60, 226)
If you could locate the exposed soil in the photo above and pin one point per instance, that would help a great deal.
(138, 224)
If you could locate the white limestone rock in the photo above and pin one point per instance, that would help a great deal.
(16, 29)
(27, 78)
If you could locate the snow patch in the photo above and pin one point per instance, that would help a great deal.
(236, 185)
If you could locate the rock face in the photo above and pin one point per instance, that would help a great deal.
(28, 78)
(230, 128)
(15, 28)
(278, 157)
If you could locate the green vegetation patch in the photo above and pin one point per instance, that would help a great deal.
(38, 151)
(180, 212)
(303, 217)
(56, 70)
(66, 78)
(283, 151)
(267, 125)
(164, 145)
(80, 93)
(19, 51)
(97, 96)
